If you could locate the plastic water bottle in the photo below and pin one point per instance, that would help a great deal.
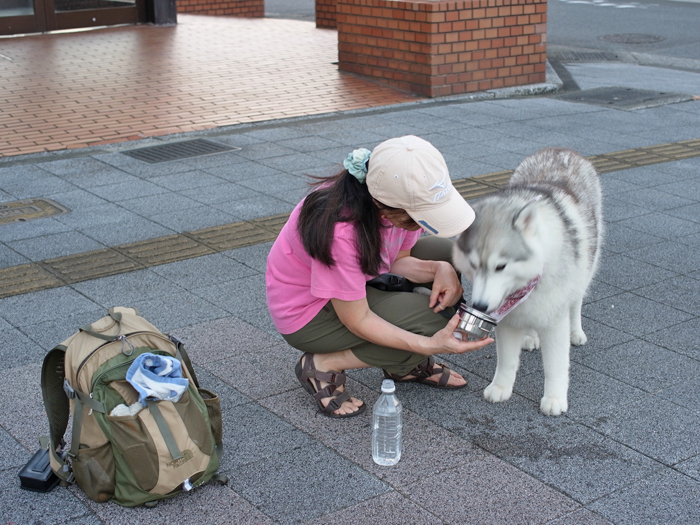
(386, 426)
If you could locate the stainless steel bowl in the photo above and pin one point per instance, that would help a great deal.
(475, 324)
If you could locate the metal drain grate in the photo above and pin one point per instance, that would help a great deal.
(575, 56)
(178, 150)
(29, 209)
(624, 98)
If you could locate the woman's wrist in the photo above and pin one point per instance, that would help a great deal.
(423, 345)
(417, 270)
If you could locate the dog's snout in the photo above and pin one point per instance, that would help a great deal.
(480, 306)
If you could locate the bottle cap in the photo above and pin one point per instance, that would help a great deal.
(388, 386)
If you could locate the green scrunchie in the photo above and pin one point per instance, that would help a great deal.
(356, 163)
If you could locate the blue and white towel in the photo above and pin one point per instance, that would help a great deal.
(157, 377)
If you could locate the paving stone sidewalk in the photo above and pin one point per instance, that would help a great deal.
(628, 450)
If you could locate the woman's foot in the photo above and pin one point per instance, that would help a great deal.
(454, 380)
(327, 387)
(431, 374)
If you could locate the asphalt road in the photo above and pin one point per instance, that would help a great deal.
(672, 28)
(295, 9)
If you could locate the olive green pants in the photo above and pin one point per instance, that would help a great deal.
(325, 333)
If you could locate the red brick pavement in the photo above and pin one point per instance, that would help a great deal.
(73, 90)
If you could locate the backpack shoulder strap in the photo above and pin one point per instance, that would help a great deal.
(181, 354)
(57, 394)
(57, 406)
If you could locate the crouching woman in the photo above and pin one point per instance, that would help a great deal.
(363, 222)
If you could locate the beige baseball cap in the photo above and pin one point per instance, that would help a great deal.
(411, 174)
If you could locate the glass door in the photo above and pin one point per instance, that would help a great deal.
(70, 14)
(32, 16)
(21, 16)
(17, 8)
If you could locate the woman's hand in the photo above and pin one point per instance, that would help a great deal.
(444, 341)
(447, 289)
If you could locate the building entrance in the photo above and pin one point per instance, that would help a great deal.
(38, 16)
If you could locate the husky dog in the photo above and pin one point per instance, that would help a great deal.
(536, 241)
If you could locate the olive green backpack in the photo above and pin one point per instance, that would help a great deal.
(163, 449)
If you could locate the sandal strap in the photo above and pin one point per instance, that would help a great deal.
(334, 380)
(333, 377)
(445, 377)
(327, 391)
(423, 371)
(338, 398)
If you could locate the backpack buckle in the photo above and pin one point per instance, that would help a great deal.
(67, 471)
(69, 390)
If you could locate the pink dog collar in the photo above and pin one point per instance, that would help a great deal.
(514, 300)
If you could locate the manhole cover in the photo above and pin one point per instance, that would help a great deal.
(178, 150)
(625, 98)
(631, 38)
(29, 209)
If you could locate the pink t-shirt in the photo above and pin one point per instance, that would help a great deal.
(298, 286)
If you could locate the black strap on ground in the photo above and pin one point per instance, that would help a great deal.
(56, 403)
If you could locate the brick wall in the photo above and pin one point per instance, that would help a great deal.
(438, 48)
(325, 14)
(242, 8)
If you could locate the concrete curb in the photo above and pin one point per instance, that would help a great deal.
(645, 59)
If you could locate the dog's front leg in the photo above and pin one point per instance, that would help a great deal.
(578, 337)
(508, 342)
(555, 360)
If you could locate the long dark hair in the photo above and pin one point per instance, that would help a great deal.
(341, 198)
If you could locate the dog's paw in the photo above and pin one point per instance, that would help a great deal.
(553, 406)
(497, 393)
(531, 342)
(578, 338)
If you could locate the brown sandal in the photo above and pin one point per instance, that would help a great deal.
(423, 371)
(306, 373)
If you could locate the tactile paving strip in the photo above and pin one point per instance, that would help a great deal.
(26, 278)
(634, 158)
(231, 236)
(88, 265)
(163, 250)
(473, 188)
(52, 273)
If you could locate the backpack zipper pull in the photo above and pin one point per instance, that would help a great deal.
(186, 485)
(126, 342)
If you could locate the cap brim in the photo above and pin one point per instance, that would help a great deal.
(451, 218)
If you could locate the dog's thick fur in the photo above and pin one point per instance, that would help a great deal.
(548, 222)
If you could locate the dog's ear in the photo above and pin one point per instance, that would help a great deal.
(524, 220)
